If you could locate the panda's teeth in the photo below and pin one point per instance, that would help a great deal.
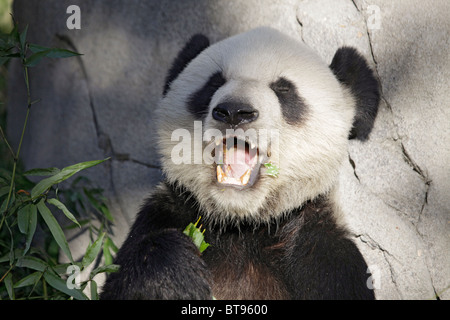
(220, 174)
(246, 177)
(236, 154)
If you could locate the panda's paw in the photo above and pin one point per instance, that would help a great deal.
(161, 265)
(176, 269)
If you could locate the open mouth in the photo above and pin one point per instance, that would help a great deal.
(237, 162)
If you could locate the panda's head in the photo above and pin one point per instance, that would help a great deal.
(257, 124)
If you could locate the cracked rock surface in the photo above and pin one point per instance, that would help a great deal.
(395, 188)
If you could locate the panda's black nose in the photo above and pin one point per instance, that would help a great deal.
(235, 113)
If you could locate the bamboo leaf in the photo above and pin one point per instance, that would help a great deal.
(98, 205)
(272, 169)
(64, 174)
(31, 227)
(108, 248)
(62, 268)
(42, 52)
(64, 209)
(59, 284)
(203, 246)
(23, 219)
(55, 229)
(5, 174)
(4, 191)
(29, 280)
(35, 48)
(27, 221)
(62, 53)
(11, 55)
(107, 251)
(42, 172)
(9, 286)
(92, 251)
(94, 291)
(32, 263)
(23, 38)
(108, 268)
(35, 58)
(196, 236)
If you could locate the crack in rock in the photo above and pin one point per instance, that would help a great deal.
(68, 41)
(353, 164)
(406, 156)
(410, 162)
(417, 169)
(300, 24)
(374, 245)
(104, 141)
(408, 159)
(368, 35)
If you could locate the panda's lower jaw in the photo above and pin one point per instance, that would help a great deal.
(246, 180)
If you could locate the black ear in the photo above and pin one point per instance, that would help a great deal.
(193, 47)
(352, 70)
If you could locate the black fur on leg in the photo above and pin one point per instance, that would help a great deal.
(352, 70)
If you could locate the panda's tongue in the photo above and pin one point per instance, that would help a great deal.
(238, 163)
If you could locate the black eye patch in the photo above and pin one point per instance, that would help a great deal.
(293, 107)
(199, 101)
(282, 86)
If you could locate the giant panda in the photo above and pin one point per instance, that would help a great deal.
(271, 218)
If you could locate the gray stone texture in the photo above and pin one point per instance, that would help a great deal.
(396, 195)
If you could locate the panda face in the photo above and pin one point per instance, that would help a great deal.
(242, 105)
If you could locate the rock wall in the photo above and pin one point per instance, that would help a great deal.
(395, 187)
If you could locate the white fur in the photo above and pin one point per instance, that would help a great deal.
(309, 154)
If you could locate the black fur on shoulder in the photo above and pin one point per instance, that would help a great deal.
(193, 48)
(353, 71)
